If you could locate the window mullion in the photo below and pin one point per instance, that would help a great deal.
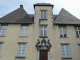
(43, 31)
(21, 49)
(65, 50)
(62, 32)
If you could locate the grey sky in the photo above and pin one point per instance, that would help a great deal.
(72, 6)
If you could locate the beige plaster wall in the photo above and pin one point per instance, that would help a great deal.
(12, 38)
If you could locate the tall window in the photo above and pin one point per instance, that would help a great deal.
(24, 31)
(63, 32)
(21, 50)
(43, 14)
(3, 30)
(77, 30)
(1, 47)
(65, 51)
(43, 31)
(79, 47)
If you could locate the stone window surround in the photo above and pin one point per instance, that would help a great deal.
(43, 14)
(24, 29)
(62, 30)
(17, 50)
(39, 31)
(69, 50)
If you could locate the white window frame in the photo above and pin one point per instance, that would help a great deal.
(21, 49)
(1, 47)
(77, 31)
(65, 50)
(43, 14)
(1, 28)
(24, 30)
(63, 34)
(43, 30)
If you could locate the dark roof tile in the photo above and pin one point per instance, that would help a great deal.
(17, 16)
(65, 17)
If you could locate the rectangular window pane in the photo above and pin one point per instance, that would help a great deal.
(24, 31)
(1, 47)
(77, 34)
(21, 50)
(79, 47)
(63, 32)
(65, 51)
(43, 31)
(3, 30)
(43, 14)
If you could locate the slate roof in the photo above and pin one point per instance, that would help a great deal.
(65, 17)
(17, 16)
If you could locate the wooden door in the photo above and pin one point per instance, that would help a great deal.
(43, 55)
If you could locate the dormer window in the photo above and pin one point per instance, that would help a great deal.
(62, 30)
(77, 30)
(43, 14)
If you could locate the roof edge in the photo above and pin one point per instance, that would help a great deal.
(42, 5)
(16, 22)
(65, 24)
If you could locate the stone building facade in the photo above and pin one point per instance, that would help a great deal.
(39, 36)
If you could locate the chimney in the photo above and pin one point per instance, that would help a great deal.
(21, 6)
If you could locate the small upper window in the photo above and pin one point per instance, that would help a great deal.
(43, 14)
(3, 30)
(77, 30)
(43, 31)
(62, 30)
(24, 31)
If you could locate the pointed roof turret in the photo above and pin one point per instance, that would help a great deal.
(17, 16)
(65, 17)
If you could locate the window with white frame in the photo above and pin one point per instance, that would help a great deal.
(62, 30)
(65, 51)
(21, 50)
(43, 14)
(43, 31)
(3, 30)
(1, 47)
(77, 30)
(79, 47)
(24, 31)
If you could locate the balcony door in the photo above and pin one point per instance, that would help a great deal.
(43, 55)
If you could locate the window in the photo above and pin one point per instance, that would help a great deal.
(62, 30)
(3, 30)
(77, 30)
(21, 50)
(1, 47)
(43, 31)
(43, 14)
(65, 51)
(24, 31)
(79, 47)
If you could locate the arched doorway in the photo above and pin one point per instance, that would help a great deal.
(43, 49)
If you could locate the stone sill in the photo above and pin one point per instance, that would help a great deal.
(43, 19)
(20, 57)
(63, 37)
(43, 36)
(66, 58)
